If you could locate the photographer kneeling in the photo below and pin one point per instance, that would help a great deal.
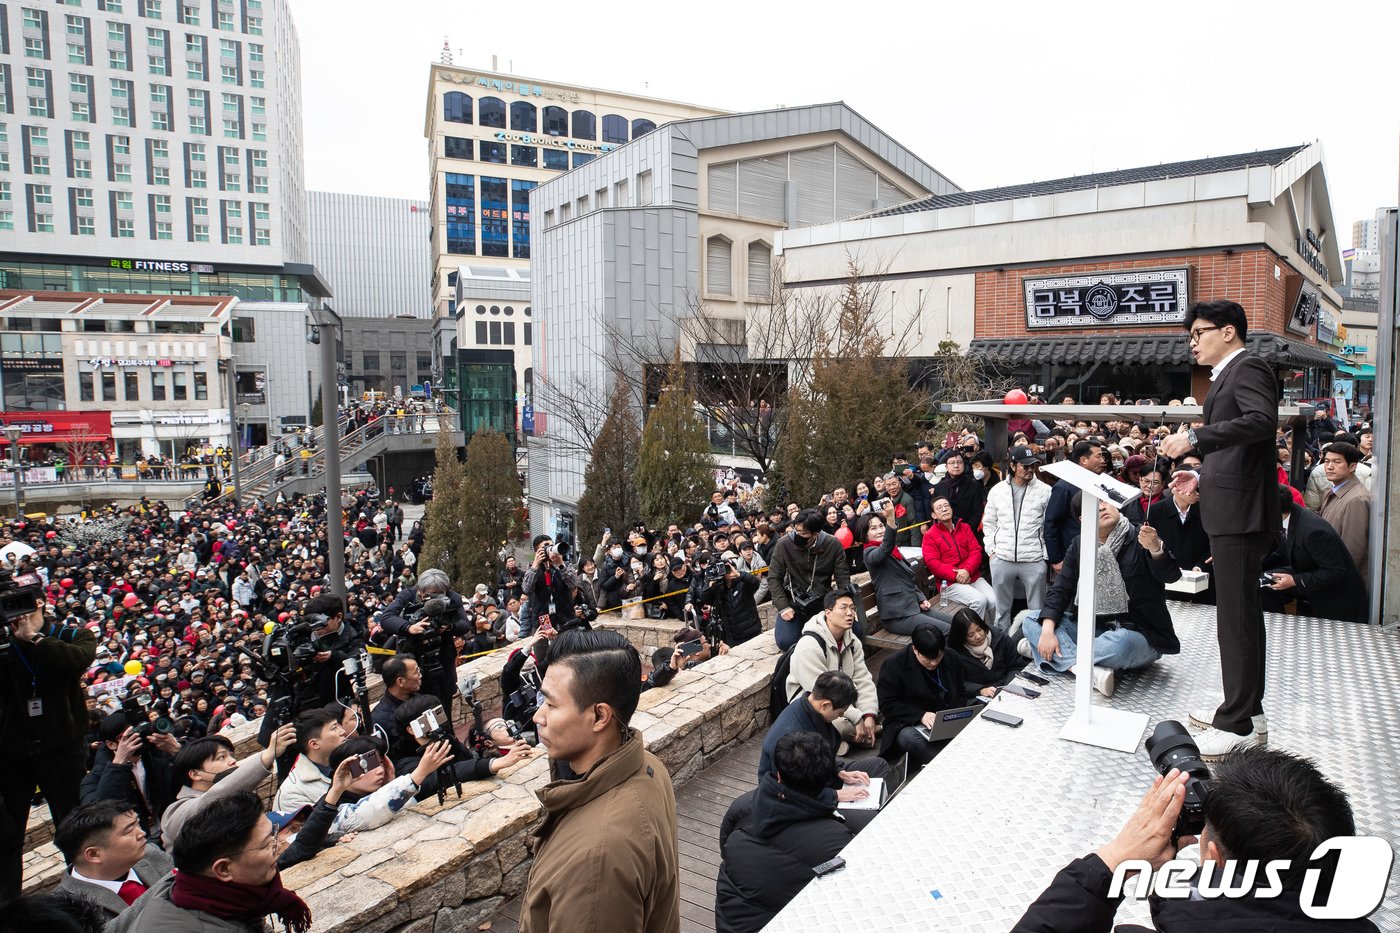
(426, 619)
(1260, 805)
(410, 747)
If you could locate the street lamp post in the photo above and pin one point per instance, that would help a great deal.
(323, 332)
(13, 433)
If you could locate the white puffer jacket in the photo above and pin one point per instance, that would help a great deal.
(1008, 536)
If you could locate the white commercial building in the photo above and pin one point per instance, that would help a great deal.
(174, 124)
(374, 252)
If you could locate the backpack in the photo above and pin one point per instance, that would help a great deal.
(777, 686)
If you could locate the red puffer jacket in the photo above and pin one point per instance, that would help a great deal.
(946, 552)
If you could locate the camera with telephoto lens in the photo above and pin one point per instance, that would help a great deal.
(1171, 746)
(19, 596)
(135, 710)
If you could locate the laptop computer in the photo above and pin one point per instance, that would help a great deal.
(950, 722)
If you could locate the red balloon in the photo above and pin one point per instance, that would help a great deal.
(66, 582)
(843, 534)
(1015, 397)
(130, 599)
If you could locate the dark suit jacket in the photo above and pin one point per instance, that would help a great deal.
(1313, 552)
(155, 866)
(1188, 543)
(907, 691)
(1239, 478)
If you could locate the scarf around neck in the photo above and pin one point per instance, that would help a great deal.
(229, 899)
(1111, 593)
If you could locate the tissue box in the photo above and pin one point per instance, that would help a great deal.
(1191, 582)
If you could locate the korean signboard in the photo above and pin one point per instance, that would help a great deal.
(1304, 318)
(1096, 299)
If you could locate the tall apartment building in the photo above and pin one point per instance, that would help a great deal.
(492, 138)
(154, 147)
(161, 128)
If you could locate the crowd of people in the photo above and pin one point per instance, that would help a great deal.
(161, 632)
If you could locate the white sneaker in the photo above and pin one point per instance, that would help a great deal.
(1104, 680)
(1202, 719)
(1215, 744)
(1023, 648)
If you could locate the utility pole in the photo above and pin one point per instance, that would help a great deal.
(236, 445)
(324, 332)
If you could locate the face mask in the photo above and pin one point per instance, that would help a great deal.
(639, 549)
(979, 474)
(615, 553)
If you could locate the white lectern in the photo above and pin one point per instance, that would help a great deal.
(1094, 725)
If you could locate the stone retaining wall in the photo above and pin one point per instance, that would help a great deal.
(446, 869)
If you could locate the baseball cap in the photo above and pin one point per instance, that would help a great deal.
(1024, 456)
(481, 589)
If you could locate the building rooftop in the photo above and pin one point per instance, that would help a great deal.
(1128, 176)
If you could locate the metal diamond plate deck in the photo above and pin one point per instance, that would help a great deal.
(976, 837)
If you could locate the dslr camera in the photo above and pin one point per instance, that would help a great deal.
(135, 709)
(1171, 746)
(19, 595)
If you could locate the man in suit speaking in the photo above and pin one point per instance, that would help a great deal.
(1239, 510)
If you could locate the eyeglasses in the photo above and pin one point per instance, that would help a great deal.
(1197, 331)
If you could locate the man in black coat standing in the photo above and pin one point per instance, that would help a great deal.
(1310, 563)
(1239, 510)
(773, 837)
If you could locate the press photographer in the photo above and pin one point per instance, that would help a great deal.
(134, 767)
(419, 725)
(304, 663)
(722, 603)
(425, 620)
(1260, 804)
(43, 715)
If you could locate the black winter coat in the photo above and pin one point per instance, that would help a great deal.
(108, 781)
(907, 691)
(1326, 576)
(1145, 580)
(967, 496)
(1006, 662)
(771, 839)
(738, 611)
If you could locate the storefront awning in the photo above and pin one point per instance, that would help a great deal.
(1139, 349)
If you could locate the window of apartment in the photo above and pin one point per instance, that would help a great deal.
(255, 26)
(194, 70)
(78, 53)
(189, 14)
(157, 387)
(371, 360)
(131, 387)
(228, 74)
(126, 229)
(109, 387)
(719, 265)
(398, 362)
(424, 362)
(644, 189)
(508, 333)
(244, 330)
(760, 270)
(35, 47)
(150, 8)
(123, 199)
(255, 52)
(224, 21)
(116, 58)
(527, 335)
(179, 385)
(495, 333)
(85, 387)
(83, 197)
(201, 386)
(255, 77)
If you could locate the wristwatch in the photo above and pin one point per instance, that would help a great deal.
(1191, 436)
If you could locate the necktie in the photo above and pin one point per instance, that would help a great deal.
(130, 891)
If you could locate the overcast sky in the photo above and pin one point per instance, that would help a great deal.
(988, 93)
